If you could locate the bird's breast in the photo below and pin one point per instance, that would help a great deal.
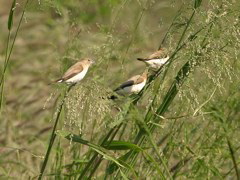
(132, 89)
(157, 63)
(78, 77)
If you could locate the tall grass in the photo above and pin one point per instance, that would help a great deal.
(123, 167)
(9, 48)
(53, 134)
(183, 125)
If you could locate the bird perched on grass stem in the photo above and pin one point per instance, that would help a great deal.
(157, 59)
(76, 72)
(133, 85)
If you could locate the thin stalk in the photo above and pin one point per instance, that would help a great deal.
(170, 27)
(133, 36)
(156, 149)
(8, 55)
(89, 164)
(233, 158)
(223, 122)
(112, 133)
(53, 134)
(186, 28)
(104, 143)
(101, 157)
(5, 62)
(122, 132)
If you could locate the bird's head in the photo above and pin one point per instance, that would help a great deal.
(88, 61)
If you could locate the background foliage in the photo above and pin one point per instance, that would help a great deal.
(185, 124)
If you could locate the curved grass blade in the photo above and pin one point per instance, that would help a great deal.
(151, 159)
(113, 167)
(10, 17)
(100, 150)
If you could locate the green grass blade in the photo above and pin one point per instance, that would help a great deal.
(122, 145)
(223, 121)
(8, 55)
(197, 3)
(113, 167)
(99, 149)
(156, 165)
(149, 135)
(10, 17)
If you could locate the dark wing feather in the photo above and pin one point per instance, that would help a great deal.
(134, 80)
(125, 84)
(142, 59)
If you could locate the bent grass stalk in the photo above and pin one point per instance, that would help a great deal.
(170, 27)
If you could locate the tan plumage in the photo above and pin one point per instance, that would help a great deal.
(133, 85)
(157, 59)
(76, 72)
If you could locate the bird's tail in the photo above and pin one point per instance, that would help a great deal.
(112, 97)
(56, 81)
(142, 59)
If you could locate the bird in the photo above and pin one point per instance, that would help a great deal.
(133, 85)
(76, 72)
(157, 59)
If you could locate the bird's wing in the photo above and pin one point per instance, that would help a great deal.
(132, 81)
(162, 53)
(158, 54)
(125, 84)
(72, 71)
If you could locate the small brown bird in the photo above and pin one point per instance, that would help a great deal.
(157, 59)
(76, 72)
(133, 85)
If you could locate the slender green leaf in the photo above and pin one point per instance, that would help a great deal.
(10, 17)
(197, 3)
(121, 145)
(150, 158)
(123, 175)
(113, 167)
(100, 150)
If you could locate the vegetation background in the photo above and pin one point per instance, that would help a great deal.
(184, 125)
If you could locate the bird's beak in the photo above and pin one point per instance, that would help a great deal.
(93, 62)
